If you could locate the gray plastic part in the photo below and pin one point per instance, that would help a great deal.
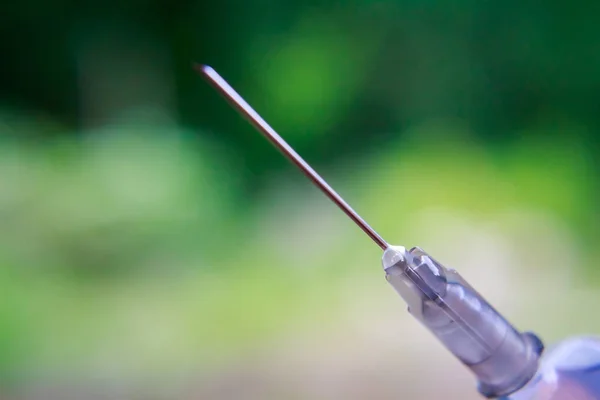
(502, 359)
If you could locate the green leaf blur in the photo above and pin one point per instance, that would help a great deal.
(154, 245)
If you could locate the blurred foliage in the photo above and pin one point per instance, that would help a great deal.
(146, 227)
(322, 72)
(187, 277)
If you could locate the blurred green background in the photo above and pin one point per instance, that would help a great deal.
(154, 246)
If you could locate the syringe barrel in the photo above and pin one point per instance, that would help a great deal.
(502, 359)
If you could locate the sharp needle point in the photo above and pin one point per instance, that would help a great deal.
(261, 125)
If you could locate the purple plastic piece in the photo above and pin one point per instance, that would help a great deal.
(502, 358)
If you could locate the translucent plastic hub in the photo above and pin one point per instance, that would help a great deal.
(502, 359)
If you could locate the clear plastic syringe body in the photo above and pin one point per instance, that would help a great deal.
(569, 370)
(508, 364)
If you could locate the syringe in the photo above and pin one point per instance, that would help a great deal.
(506, 362)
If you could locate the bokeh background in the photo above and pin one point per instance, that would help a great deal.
(154, 246)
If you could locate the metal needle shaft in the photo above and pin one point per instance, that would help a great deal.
(246, 110)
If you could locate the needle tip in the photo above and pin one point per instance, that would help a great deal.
(240, 104)
(202, 69)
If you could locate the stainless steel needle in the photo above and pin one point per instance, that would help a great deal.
(244, 108)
